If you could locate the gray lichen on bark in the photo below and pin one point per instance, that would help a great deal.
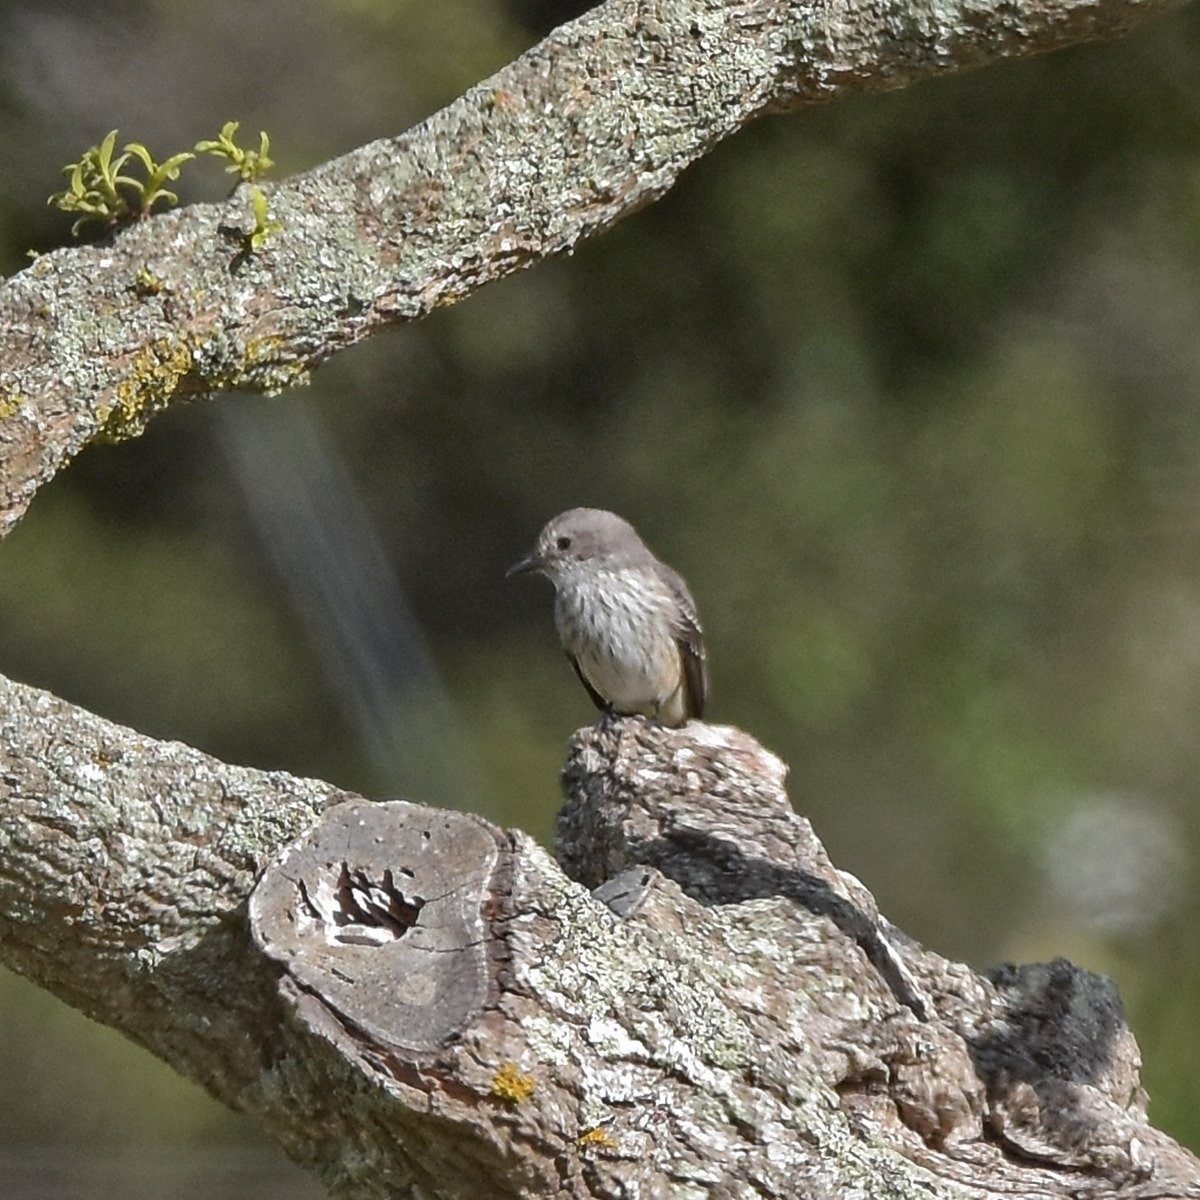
(596, 121)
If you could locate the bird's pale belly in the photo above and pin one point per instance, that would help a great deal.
(625, 648)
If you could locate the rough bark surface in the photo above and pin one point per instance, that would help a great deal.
(693, 1002)
(595, 122)
(415, 1002)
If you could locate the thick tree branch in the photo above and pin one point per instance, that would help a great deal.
(416, 998)
(411, 999)
(122, 865)
(595, 122)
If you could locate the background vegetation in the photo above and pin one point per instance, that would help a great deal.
(906, 387)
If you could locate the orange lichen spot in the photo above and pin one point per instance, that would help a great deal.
(502, 99)
(511, 1085)
(597, 1139)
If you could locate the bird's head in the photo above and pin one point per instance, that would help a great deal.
(581, 537)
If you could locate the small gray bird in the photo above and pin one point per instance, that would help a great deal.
(627, 621)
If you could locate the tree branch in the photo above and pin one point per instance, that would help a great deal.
(417, 998)
(595, 122)
(411, 999)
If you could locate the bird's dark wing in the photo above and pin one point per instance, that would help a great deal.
(689, 637)
(599, 700)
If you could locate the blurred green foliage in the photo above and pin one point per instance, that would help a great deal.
(905, 386)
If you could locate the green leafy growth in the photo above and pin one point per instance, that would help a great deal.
(249, 165)
(99, 192)
(157, 174)
(263, 225)
(147, 283)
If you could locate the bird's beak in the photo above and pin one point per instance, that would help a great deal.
(531, 562)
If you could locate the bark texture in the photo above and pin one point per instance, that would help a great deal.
(593, 123)
(415, 1002)
(692, 1002)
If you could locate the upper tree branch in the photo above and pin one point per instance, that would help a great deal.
(595, 122)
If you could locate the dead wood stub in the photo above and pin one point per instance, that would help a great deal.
(381, 911)
(1028, 1076)
(451, 962)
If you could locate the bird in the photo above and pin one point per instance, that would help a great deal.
(627, 621)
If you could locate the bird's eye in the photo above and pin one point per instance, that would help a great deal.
(563, 543)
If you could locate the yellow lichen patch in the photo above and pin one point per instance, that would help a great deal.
(262, 349)
(148, 387)
(264, 369)
(597, 1139)
(509, 1084)
(147, 283)
(10, 402)
(156, 372)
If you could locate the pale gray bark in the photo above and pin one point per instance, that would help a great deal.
(595, 122)
(415, 1002)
